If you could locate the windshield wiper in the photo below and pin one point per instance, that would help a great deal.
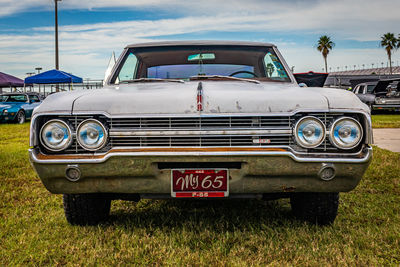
(205, 77)
(152, 80)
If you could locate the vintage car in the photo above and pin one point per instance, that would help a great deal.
(381, 95)
(201, 119)
(18, 107)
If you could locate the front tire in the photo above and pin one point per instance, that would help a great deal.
(20, 118)
(86, 209)
(317, 208)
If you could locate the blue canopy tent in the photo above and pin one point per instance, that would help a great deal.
(53, 77)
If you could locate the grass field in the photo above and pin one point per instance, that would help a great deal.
(33, 230)
(386, 121)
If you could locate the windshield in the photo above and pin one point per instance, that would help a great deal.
(184, 62)
(13, 98)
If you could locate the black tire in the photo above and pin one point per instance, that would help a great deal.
(20, 117)
(317, 208)
(86, 209)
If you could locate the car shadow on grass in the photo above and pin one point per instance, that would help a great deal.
(215, 215)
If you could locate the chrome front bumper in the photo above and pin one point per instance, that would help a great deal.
(271, 170)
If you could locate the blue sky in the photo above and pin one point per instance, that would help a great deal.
(90, 30)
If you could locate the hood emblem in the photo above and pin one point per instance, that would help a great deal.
(200, 97)
(261, 141)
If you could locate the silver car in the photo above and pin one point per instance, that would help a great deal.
(201, 119)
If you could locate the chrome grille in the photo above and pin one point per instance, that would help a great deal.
(255, 128)
(229, 122)
(223, 123)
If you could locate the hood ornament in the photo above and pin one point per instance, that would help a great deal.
(200, 97)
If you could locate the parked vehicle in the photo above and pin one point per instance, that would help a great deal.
(201, 120)
(311, 79)
(18, 107)
(381, 95)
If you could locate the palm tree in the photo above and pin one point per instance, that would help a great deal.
(324, 45)
(390, 43)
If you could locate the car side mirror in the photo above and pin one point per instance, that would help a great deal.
(303, 85)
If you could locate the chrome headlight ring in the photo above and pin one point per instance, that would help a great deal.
(309, 132)
(346, 133)
(91, 135)
(55, 135)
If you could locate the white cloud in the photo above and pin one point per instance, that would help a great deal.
(84, 49)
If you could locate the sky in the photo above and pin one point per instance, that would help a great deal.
(90, 30)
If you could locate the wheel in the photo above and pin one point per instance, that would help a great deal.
(86, 209)
(20, 118)
(318, 208)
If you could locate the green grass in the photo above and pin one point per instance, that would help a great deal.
(385, 121)
(33, 230)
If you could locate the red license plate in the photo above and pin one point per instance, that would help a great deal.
(199, 183)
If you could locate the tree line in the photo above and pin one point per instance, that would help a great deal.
(388, 41)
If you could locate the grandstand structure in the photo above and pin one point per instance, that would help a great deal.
(370, 71)
(350, 78)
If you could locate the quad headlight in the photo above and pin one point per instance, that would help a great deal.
(91, 135)
(56, 135)
(346, 133)
(309, 132)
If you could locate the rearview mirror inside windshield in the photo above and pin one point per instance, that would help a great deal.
(206, 56)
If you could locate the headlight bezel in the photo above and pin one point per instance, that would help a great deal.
(82, 144)
(332, 138)
(300, 142)
(69, 140)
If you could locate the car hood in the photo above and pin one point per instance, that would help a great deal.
(219, 97)
(4, 105)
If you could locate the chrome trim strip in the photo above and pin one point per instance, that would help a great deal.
(366, 158)
(205, 115)
(386, 106)
(124, 133)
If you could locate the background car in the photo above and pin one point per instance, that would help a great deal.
(381, 95)
(17, 107)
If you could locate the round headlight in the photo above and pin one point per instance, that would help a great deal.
(309, 132)
(91, 135)
(346, 133)
(56, 135)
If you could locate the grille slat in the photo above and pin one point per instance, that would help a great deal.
(204, 141)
